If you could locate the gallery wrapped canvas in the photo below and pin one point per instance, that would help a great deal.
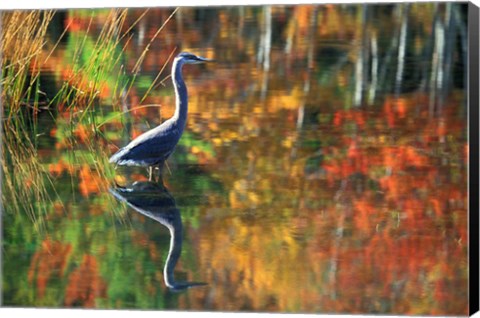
(304, 158)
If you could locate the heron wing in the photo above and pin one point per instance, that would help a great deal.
(150, 148)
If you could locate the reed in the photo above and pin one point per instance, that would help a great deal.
(22, 40)
(23, 37)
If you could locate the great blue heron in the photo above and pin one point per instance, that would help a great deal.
(153, 147)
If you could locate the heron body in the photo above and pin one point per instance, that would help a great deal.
(153, 147)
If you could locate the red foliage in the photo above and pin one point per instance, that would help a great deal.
(415, 223)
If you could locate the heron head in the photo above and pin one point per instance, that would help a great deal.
(189, 58)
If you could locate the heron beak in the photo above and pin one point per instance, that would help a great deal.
(203, 59)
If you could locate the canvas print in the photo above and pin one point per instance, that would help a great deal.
(290, 159)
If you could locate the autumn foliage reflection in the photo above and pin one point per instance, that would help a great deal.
(85, 285)
(48, 262)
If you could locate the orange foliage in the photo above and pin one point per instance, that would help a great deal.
(90, 182)
(48, 262)
(85, 284)
(83, 133)
(56, 169)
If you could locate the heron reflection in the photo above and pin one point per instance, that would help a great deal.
(155, 201)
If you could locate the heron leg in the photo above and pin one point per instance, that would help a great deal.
(160, 173)
(150, 173)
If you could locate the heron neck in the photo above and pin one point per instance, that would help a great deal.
(174, 252)
(181, 102)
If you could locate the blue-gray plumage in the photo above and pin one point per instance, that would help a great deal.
(153, 147)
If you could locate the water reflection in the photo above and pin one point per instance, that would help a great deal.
(155, 201)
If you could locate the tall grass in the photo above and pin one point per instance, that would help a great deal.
(22, 39)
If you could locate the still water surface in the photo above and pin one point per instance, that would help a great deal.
(317, 173)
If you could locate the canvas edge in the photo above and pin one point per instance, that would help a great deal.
(473, 101)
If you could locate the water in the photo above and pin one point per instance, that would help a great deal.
(302, 184)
